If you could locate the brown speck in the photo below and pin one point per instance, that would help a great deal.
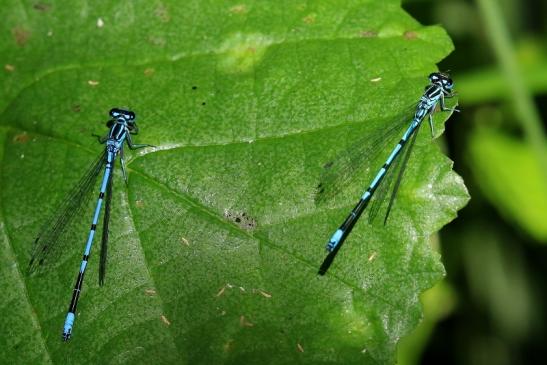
(165, 320)
(309, 19)
(150, 292)
(264, 294)
(157, 41)
(184, 241)
(93, 82)
(139, 203)
(376, 79)
(162, 13)
(149, 71)
(228, 346)
(409, 34)
(21, 138)
(9, 68)
(243, 322)
(41, 7)
(21, 35)
(221, 291)
(238, 9)
(76, 108)
(368, 34)
(299, 347)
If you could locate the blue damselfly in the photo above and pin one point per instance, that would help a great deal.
(47, 245)
(440, 87)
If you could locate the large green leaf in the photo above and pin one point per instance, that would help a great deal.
(509, 175)
(216, 241)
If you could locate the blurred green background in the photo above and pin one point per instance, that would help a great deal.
(490, 307)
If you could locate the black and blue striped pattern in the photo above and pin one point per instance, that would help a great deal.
(440, 87)
(122, 126)
(69, 321)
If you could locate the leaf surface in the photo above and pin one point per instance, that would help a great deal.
(216, 241)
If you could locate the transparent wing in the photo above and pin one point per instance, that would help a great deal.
(404, 164)
(360, 156)
(397, 169)
(48, 245)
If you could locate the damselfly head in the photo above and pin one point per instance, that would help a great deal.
(127, 115)
(442, 79)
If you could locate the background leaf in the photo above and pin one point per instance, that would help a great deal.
(509, 174)
(216, 242)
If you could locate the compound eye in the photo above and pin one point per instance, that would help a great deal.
(131, 116)
(114, 112)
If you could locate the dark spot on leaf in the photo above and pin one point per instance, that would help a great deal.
(194, 87)
(203, 103)
(41, 7)
(328, 165)
(241, 219)
(319, 189)
(76, 108)
(368, 34)
(21, 35)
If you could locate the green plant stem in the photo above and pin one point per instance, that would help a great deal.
(524, 105)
